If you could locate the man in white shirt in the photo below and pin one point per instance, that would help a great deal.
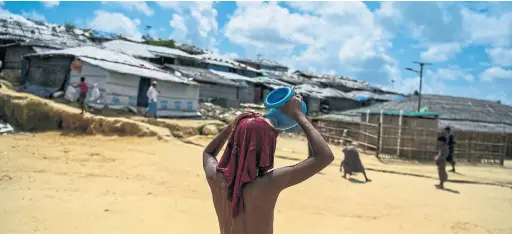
(153, 100)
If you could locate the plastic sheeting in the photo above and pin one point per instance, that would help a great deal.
(71, 94)
(5, 128)
(95, 94)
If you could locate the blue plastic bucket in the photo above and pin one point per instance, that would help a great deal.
(275, 99)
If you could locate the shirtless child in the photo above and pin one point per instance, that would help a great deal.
(244, 188)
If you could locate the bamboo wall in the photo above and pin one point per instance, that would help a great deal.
(415, 140)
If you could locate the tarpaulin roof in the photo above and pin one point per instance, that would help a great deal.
(118, 62)
(144, 50)
(201, 74)
(222, 61)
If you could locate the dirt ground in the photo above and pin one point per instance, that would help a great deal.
(51, 183)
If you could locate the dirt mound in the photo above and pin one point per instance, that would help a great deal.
(210, 130)
(31, 113)
(226, 115)
(183, 128)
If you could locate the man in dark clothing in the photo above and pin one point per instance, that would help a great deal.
(84, 88)
(450, 142)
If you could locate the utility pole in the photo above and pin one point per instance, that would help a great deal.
(393, 84)
(420, 72)
(148, 29)
(258, 56)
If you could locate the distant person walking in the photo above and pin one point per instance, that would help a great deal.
(450, 142)
(84, 88)
(153, 100)
(440, 160)
(352, 162)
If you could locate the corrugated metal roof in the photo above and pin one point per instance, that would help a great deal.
(201, 74)
(270, 82)
(165, 51)
(322, 93)
(333, 80)
(42, 49)
(133, 49)
(232, 76)
(451, 108)
(222, 61)
(406, 113)
(118, 62)
(145, 50)
(265, 62)
(287, 77)
(353, 118)
(375, 96)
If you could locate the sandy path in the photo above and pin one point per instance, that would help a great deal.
(55, 184)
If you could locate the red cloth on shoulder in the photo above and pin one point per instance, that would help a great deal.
(249, 153)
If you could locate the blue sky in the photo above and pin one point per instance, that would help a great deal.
(469, 43)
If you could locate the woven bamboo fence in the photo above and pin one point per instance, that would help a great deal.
(416, 140)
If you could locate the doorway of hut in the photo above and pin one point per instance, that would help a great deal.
(2, 57)
(142, 98)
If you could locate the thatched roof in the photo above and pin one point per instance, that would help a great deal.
(458, 112)
(17, 28)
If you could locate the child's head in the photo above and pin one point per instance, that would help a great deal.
(441, 140)
(82, 79)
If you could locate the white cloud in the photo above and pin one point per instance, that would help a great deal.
(194, 23)
(440, 52)
(115, 23)
(481, 28)
(135, 6)
(452, 73)
(500, 56)
(452, 22)
(33, 15)
(50, 4)
(495, 73)
(322, 36)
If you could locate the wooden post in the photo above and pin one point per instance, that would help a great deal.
(505, 145)
(377, 151)
(469, 146)
(399, 134)
(380, 129)
(366, 129)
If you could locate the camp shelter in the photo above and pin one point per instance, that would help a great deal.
(155, 54)
(123, 80)
(212, 86)
(246, 91)
(336, 100)
(263, 85)
(482, 129)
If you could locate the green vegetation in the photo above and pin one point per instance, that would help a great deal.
(69, 27)
(164, 43)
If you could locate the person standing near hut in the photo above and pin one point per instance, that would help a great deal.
(450, 142)
(84, 88)
(352, 162)
(153, 100)
(440, 160)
